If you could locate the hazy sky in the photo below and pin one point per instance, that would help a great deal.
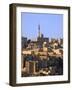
(51, 25)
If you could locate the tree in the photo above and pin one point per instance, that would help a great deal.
(28, 41)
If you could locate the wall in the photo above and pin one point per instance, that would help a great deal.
(4, 45)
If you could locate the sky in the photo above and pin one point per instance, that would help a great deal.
(51, 25)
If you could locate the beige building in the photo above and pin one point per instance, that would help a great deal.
(30, 67)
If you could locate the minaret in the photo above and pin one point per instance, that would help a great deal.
(38, 30)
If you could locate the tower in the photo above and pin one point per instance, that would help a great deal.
(38, 30)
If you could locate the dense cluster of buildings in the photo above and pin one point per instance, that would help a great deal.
(37, 56)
